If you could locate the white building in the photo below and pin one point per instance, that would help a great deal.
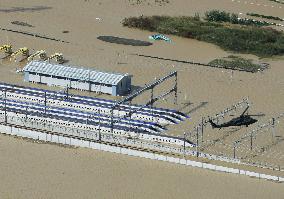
(77, 78)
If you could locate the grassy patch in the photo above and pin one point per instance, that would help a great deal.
(235, 62)
(264, 42)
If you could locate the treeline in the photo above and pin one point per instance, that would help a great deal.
(256, 40)
(265, 16)
(222, 16)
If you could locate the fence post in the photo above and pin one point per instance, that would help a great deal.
(251, 141)
(202, 128)
(273, 129)
(234, 150)
(197, 154)
(184, 144)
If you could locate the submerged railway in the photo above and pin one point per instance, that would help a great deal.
(85, 117)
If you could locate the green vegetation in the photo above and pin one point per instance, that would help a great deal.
(235, 62)
(265, 16)
(256, 40)
(222, 16)
(278, 1)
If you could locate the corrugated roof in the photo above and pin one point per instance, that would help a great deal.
(83, 74)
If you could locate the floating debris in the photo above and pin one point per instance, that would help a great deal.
(160, 37)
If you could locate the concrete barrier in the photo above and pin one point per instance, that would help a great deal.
(172, 159)
(252, 174)
(85, 144)
(242, 172)
(75, 142)
(25, 133)
(222, 169)
(116, 150)
(6, 129)
(125, 151)
(94, 145)
(209, 166)
(182, 161)
(194, 163)
(235, 171)
(48, 137)
(160, 157)
(267, 177)
(61, 139)
(42, 137)
(55, 139)
(68, 141)
(141, 154)
(150, 156)
(275, 178)
(133, 152)
(105, 147)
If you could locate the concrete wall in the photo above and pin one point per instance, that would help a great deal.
(37, 135)
(34, 78)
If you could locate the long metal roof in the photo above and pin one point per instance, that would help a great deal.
(82, 74)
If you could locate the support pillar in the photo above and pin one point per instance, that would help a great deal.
(197, 141)
(176, 90)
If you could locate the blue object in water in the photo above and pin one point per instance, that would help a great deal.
(160, 37)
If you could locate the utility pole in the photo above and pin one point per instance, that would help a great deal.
(5, 105)
(87, 119)
(45, 102)
(90, 85)
(202, 128)
(234, 150)
(184, 144)
(197, 141)
(176, 79)
(251, 137)
(152, 96)
(67, 92)
(273, 129)
(130, 105)
(100, 138)
(111, 120)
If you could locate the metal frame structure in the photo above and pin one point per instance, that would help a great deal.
(199, 128)
(258, 130)
(152, 100)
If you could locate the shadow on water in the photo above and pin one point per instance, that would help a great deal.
(220, 139)
(185, 105)
(266, 148)
(22, 9)
(202, 104)
(135, 89)
(124, 41)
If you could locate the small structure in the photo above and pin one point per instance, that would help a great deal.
(77, 78)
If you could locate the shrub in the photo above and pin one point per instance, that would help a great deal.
(235, 62)
(217, 16)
